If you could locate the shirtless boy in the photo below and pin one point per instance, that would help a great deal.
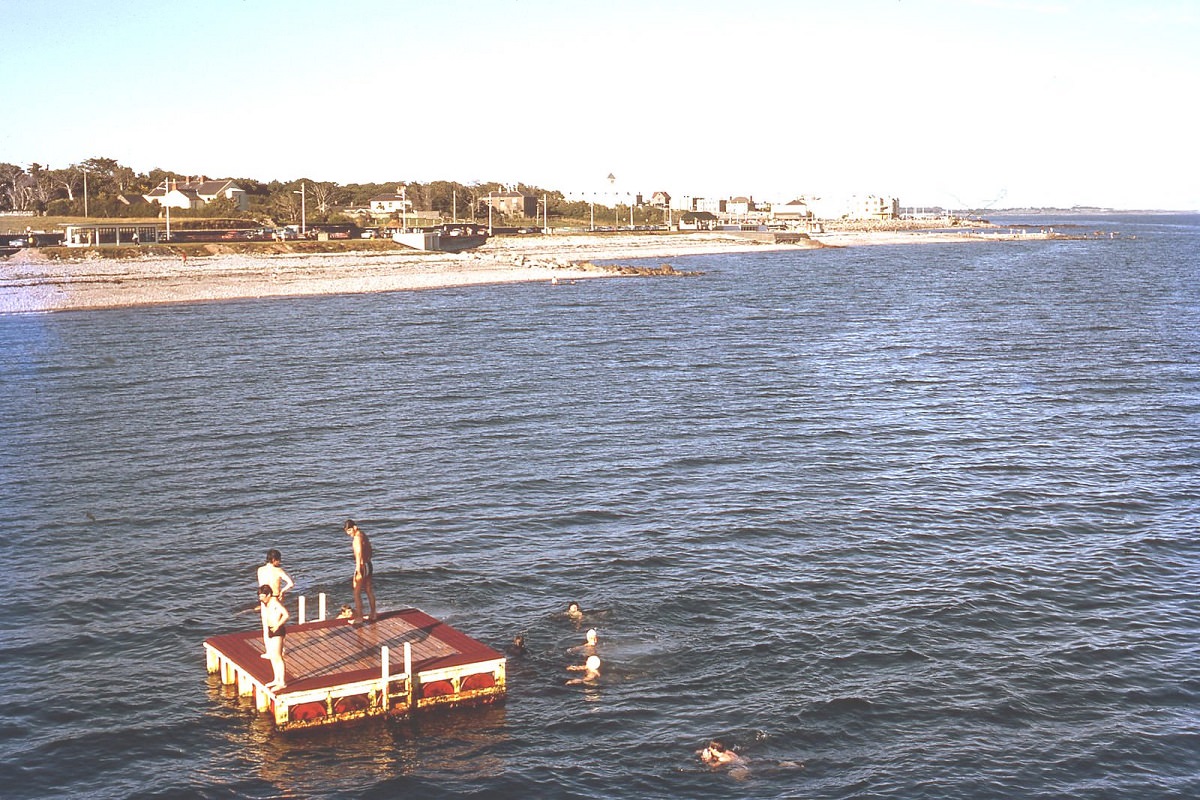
(590, 670)
(271, 574)
(363, 571)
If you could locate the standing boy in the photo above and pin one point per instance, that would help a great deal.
(363, 571)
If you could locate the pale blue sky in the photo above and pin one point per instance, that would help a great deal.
(1040, 102)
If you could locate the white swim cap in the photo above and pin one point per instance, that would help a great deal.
(593, 662)
(591, 634)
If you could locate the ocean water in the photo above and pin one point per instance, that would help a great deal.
(897, 522)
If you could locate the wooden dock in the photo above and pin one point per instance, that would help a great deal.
(404, 662)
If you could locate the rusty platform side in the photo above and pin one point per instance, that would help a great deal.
(403, 662)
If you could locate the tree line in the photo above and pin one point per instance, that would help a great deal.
(93, 188)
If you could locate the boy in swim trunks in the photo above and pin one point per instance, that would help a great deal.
(275, 618)
(363, 571)
(271, 574)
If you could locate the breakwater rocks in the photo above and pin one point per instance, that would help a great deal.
(664, 270)
(901, 225)
(779, 237)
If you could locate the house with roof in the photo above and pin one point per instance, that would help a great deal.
(197, 193)
(739, 206)
(131, 200)
(523, 205)
(698, 221)
(391, 203)
(792, 211)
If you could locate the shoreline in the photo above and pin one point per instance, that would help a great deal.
(30, 283)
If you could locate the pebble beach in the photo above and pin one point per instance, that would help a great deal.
(31, 282)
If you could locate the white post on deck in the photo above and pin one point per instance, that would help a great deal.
(300, 609)
(321, 606)
(386, 667)
(409, 686)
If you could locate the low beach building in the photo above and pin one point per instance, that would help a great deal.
(127, 233)
(698, 221)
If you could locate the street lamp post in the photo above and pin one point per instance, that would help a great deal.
(167, 204)
(303, 214)
(612, 185)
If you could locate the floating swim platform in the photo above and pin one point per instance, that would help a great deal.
(403, 663)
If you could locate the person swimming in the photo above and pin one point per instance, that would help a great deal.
(589, 668)
(589, 645)
(718, 755)
(517, 648)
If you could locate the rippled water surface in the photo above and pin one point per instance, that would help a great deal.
(906, 522)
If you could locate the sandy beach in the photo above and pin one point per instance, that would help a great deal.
(30, 282)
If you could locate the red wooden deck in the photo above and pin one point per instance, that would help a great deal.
(320, 655)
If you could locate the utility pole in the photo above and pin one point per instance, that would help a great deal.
(167, 204)
(303, 214)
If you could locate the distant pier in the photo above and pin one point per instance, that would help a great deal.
(403, 663)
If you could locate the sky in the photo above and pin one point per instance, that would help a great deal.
(955, 103)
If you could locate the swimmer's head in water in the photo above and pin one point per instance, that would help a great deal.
(573, 608)
(591, 636)
(593, 663)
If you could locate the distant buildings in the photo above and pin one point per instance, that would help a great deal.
(874, 207)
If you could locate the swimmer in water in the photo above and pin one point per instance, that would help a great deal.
(718, 755)
(574, 612)
(517, 648)
(588, 648)
(590, 670)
